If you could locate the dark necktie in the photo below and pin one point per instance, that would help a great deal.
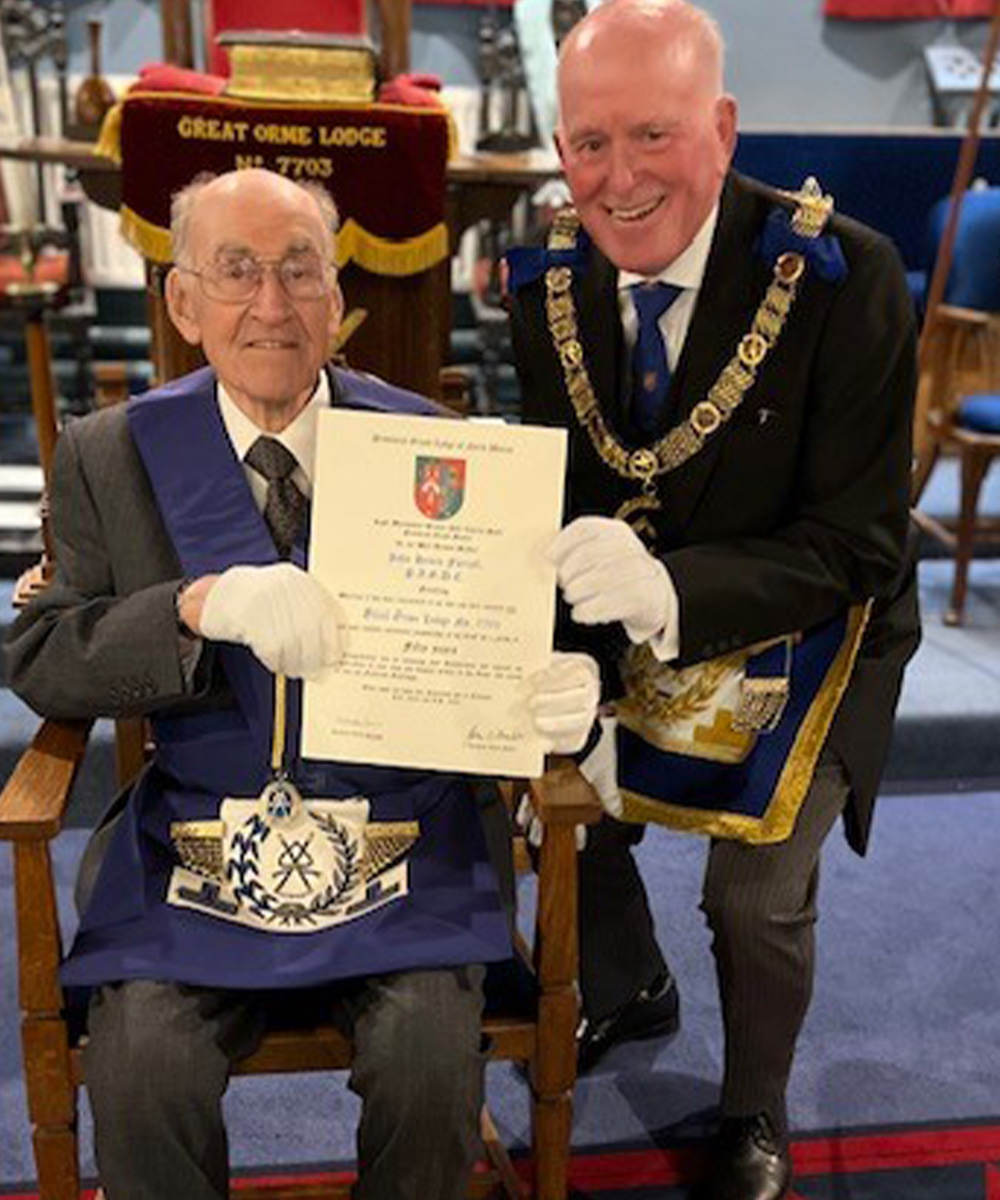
(286, 507)
(650, 370)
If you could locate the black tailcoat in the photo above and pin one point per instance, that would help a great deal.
(798, 507)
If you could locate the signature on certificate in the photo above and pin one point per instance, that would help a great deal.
(492, 735)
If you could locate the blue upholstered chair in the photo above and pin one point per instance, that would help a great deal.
(974, 278)
(959, 413)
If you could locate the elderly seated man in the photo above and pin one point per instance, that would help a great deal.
(180, 522)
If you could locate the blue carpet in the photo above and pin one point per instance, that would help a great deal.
(927, 1162)
(905, 1027)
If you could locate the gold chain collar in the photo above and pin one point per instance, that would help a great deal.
(685, 439)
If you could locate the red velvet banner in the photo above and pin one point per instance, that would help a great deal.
(383, 164)
(470, 3)
(907, 10)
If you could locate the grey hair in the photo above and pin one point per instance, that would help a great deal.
(183, 202)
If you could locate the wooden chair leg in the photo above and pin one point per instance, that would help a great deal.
(57, 1164)
(496, 1152)
(974, 467)
(551, 1121)
(50, 1093)
(43, 388)
(554, 1069)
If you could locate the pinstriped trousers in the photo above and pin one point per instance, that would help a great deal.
(159, 1056)
(760, 904)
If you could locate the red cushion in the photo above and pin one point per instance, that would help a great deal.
(421, 90)
(165, 77)
(50, 267)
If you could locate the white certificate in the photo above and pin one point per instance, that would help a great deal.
(431, 534)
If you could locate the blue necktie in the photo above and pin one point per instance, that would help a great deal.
(650, 370)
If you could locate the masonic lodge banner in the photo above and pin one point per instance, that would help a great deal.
(368, 155)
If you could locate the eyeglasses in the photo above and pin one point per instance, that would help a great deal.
(238, 278)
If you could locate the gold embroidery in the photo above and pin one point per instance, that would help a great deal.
(778, 820)
(696, 686)
(723, 732)
(387, 842)
(200, 846)
(762, 701)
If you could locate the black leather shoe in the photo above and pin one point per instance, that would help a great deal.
(750, 1161)
(652, 1013)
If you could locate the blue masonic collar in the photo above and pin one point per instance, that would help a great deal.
(528, 263)
(823, 254)
(200, 485)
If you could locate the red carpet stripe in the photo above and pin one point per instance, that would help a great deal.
(326, 1177)
(933, 1147)
(897, 1151)
(615, 1170)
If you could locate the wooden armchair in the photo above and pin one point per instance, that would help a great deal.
(32, 806)
(959, 412)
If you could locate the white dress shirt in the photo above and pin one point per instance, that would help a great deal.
(687, 272)
(299, 438)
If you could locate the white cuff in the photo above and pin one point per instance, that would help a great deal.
(665, 639)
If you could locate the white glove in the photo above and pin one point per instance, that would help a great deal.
(600, 768)
(564, 701)
(531, 827)
(286, 618)
(607, 574)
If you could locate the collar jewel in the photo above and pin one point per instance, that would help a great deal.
(800, 231)
(643, 465)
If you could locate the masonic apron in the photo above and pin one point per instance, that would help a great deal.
(387, 871)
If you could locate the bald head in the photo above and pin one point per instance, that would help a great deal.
(208, 192)
(645, 132)
(686, 38)
(254, 286)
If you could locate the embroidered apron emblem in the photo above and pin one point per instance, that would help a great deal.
(316, 865)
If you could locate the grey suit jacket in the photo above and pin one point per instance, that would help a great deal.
(102, 640)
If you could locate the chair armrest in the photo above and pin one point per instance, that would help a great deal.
(962, 318)
(563, 797)
(33, 801)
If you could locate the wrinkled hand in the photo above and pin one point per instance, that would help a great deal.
(564, 700)
(285, 617)
(607, 574)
